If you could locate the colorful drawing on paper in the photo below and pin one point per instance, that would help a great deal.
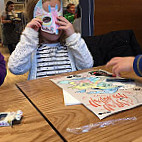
(101, 97)
(90, 85)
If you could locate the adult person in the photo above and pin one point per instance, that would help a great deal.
(127, 64)
(2, 69)
(10, 36)
(69, 14)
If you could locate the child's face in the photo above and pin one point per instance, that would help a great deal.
(47, 36)
(72, 9)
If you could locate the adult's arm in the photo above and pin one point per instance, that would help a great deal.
(3, 19)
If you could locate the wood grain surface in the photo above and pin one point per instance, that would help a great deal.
(33, 127)
(49, 99)
(112, 15)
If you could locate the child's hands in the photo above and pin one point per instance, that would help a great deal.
(65, 25)
(35, 24)
(120, 64)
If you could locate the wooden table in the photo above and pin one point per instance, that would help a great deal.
(48, 98)
(33, 126)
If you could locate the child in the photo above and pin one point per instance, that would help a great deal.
(42, 54)
(126, 64)
(69, 14)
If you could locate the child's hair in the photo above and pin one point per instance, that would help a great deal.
(69, 5)
(30, 9)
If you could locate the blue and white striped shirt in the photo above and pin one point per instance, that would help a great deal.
(52, 60)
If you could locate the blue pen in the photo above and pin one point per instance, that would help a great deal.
(119, 80)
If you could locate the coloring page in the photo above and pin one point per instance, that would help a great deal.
(101, 97)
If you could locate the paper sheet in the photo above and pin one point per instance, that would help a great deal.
(69, 99)
(101, 97)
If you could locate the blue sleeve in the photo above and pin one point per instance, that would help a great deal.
(3, 71)
(137, 65)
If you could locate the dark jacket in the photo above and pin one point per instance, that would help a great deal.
(3, 71)
(114, 44)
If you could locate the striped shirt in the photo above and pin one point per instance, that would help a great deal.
(52, 60)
